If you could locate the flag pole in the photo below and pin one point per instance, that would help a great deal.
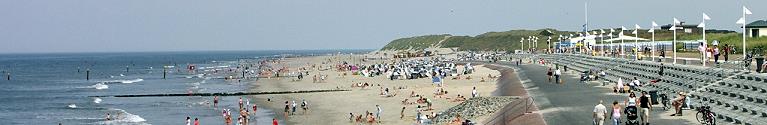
(653, 42)
(744, 32)
(636, 41)
(705, 42)
(673, 43)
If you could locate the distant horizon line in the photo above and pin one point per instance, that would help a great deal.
(153, 51)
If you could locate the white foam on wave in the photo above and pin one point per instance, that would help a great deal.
(72, 106)
(125, 118)
(98, 86)
(96, 100)
(125, 81)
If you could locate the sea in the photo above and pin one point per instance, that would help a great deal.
(52, 88)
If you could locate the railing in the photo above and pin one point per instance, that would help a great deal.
(512, 111)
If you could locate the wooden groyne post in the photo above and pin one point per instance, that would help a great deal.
(7, 75)
(87, 74)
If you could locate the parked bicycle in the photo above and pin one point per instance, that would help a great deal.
(705, 115)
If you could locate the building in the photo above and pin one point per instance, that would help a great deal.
(757, 28)
(686, 28)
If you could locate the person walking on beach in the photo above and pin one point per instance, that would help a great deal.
(378, 112)
(402, 113)
(474, 92)
(188, 121)
(287, 109)
(645, 104)
(305, 105)
(274, 121)
(240, 102)
(196, 121)
(294, 108)
(600, 111)
(215, 101)
(616, 115)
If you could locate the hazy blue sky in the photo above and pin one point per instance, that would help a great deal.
(180, 25)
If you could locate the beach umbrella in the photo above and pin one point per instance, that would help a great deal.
(742, 21)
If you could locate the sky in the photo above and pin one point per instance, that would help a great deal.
(53, 26)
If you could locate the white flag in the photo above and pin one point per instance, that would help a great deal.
(623, 28)
(673, 27)
(746, 11)
(635, 31)
(651, 30)
(741, 21)
(702, 24)
(654, 24)
(522, 41)
(705, 17)
(602, 31)
(594, 32)
(612, 30)
(636, 26)
(676, 22)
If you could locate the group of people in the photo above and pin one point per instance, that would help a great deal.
(708, 52)
(368, 116)
(635, 107)
(556, 74)
(290, 108)
(622, 87)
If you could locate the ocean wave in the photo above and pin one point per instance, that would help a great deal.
(96, 100)
(197, 76)
(123, 117)
(98, 86)
(125, 81)
(72, 106)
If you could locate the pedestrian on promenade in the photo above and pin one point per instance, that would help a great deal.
(599, 113)
(557, 74)
(645, 104)
(716, 54)
(549, 73)
(616, 115)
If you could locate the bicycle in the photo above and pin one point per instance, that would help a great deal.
(705, 115)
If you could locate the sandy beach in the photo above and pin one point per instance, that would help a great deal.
(335, 107)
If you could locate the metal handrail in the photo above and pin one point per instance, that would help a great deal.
(511, 111)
